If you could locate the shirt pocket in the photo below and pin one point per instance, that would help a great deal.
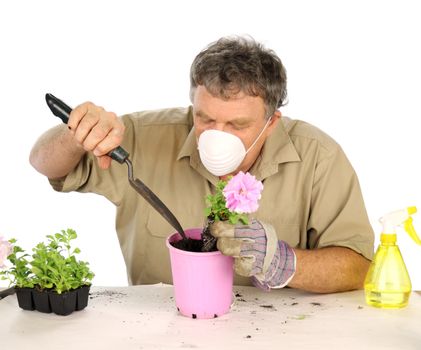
(157, 226)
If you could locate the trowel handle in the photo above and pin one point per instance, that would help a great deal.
(61, 110)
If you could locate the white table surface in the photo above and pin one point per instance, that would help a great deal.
(145, 317)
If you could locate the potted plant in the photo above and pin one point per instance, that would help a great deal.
(58, 282)
(233, 199)
(203, 279)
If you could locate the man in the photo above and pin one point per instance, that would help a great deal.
(311, 230)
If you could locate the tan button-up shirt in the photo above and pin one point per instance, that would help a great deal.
(311, 193)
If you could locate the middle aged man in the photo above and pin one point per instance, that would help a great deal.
(311, 230)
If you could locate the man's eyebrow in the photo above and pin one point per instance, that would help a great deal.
(241, 121)
(202, 114)
(238, 121)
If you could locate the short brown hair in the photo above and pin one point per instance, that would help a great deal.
(234, 64)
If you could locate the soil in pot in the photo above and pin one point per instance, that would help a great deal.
(207, 243)
(189, 245)
(25, 300)
(63, 304)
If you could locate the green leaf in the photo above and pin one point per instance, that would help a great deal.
(53, 270)
(37, 271)
(233, 219)
(244, 219)
(71, 234)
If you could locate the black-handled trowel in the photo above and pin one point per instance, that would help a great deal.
(61, 110)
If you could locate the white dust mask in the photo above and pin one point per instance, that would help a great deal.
(221, 152)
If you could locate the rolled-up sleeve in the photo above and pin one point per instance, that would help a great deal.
(76, 179)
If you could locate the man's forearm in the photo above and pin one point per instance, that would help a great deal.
(56, 153)
(328, 270)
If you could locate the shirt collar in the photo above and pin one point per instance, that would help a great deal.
(278, 149)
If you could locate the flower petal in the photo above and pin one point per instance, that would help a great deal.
(242, 193)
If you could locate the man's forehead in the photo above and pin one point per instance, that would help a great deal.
(240, 107)
(227, 94)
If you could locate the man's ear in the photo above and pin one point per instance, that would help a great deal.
(276, 117)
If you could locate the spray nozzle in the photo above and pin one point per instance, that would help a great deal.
(398, 218)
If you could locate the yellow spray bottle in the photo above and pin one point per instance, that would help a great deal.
(387, 284)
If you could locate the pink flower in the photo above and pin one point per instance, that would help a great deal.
(242, 193)
(5, 250)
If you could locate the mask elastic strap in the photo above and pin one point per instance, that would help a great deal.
(258, 137)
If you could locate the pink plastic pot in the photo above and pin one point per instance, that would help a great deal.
(202, 281)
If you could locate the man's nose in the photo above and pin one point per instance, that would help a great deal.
(220, 127)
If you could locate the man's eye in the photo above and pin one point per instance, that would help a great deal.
(204, 120)
(238, 126)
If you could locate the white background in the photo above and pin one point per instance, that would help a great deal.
(353, 70)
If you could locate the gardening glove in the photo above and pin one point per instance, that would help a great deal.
(257, 251)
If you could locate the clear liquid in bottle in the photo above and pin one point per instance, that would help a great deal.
(387, 284)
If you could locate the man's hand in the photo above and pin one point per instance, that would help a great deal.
(257, 251)
(96, 130)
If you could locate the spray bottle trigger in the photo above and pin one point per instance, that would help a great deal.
(409, 228)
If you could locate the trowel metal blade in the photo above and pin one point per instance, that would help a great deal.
(157, 204)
